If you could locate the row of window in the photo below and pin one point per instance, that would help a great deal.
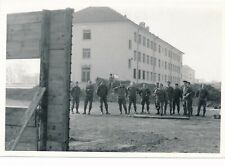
(151, 76)
(151, 44)
(152, 61)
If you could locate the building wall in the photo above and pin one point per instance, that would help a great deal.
(110, 53)
(188, 74)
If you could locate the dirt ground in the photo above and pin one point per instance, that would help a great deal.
(122, 133)
(116, 133)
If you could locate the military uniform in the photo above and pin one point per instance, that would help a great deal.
(145, 98)
(122, 93)
(169, 99)
(187, 100)
(75, 93)
(202, 95)
(102, 92)
(176, 99)
(88, 97)
(132, 95)
(157, 104)
(161, 98)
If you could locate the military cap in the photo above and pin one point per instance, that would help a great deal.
(176, 84)
(185, 81)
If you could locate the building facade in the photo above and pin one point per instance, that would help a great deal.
(105, 42)
(188, 74)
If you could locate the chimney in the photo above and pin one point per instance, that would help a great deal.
(142, 24)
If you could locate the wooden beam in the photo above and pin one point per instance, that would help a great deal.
(160, 117)
(44, 74)
(28, 114)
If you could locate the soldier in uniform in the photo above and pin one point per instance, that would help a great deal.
(187, 99)
(202, 95)
(145, 97)
(122, 94)
(169, 97)
(88, 97)
(161, 98)
(75, 93)
(177, 95)
(102, 92)
(132, 96)
(155, 93)
(192, 94)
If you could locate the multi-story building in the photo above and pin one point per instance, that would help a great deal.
(188, 74)
(105, 42)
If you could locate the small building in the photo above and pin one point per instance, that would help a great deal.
(188, 74)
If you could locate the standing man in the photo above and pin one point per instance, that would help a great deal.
(177, 95)
(145, 98)
(169, 98)
(88, 97)
(191, 98)
(202, 95)
(187, 99)
(155, 94)
(161, 98)
(102, 92)
(132, 96)
(122, 94)
(75, 93)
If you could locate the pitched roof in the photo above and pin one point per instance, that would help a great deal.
(98, 14)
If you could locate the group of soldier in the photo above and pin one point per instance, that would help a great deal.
(163, 96)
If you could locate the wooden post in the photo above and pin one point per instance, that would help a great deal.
(44, 58)
(68, 46)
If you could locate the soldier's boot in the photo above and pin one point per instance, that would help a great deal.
(107, 111)
(101, 109)
(204, 111)
(77, 112)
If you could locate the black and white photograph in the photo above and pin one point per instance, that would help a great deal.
(123, 78)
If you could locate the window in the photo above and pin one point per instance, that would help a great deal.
(135, 55)
(147, 43)
(165, 52)
(134, 73)
(147, 75)
(165, 77)
(152, 45)
(139, 39)
(165, 65)
(151, 76)
(159, 63)
(129, 63)
(159, 48)
(85, 75)
(135, 36)
(143, 75)
(154, 77)
(86, 53)
(130, 44)
(155, 46)
(151, 59)
(147, 59)
(139, 56)
(143, 58)
(144, 41)
(139, 74)
(158, 77)
(86, 34)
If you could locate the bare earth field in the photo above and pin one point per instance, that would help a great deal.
(122, 133)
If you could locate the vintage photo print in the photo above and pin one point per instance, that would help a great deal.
(112, 78)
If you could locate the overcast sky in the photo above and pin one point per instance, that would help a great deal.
(193, 27)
